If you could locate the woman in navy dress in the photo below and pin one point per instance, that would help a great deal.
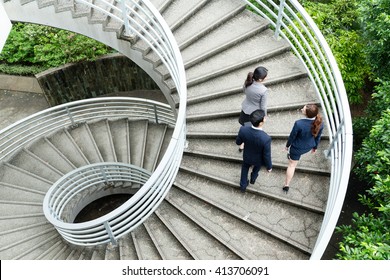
(304, 137)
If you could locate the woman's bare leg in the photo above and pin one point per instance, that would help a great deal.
(292, 164)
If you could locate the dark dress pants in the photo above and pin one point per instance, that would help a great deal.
(244, 174)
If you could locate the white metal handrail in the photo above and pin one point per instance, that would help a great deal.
(27, 130)
(291, 21)
(142, 21)
(79, 185)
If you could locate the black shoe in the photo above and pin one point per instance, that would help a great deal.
(252, 181)
(285, 189)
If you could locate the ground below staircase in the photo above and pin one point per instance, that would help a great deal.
(204, 216)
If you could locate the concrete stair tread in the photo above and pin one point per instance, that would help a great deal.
(137, 132)
(224, 62)
(126, 248)
(64, 142)
(245, 240)
(235, 28)
(306, 190)
(29, 162)
(83, 137)
(176, 9)
(279, 95)
(146, 249)
(279, 219)
(197, 241)
(155, 138)
(277, 123)
(278, 68)
(227, 148)
(202, 20)
(18, 177)
(46, 151)
(102, 136)
(121, 139)
(169, 247)
(18, 245)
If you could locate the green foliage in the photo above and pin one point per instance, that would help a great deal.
(21, 70)
(367, 157)
(375, 20)
(337, 20)
(380, 101)
(44, 46)
(367, 239)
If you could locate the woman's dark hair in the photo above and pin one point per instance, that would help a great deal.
(259, 74)
(311, 112)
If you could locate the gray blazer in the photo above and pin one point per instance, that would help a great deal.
(255, 98)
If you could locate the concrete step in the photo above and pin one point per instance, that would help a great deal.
(121, 139)
(281, 220)
(153, 145)
(83, 137)
(166, 243)
(126, 248)
(45, 150)
(242, 238)
(101, 133)
(138, 131)
(198, 242)
(278, 123)
(146, 249)
(283, 94)
(64, 142)
(226, 149)
(307, 190)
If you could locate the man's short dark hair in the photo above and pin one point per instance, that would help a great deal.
(257, 117)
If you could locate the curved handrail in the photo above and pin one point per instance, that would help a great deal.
(141, 21)
(77, 187)
(27, 130)
(292, 22)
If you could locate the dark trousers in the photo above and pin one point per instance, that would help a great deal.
(244, 174)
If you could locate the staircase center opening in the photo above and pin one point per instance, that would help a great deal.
(101, 207)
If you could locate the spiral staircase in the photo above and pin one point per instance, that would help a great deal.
(204, 215)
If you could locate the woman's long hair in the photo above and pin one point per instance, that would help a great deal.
(259, 74)
(311, 112)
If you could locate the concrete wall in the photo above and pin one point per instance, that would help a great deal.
(19, 83)
(107, 75)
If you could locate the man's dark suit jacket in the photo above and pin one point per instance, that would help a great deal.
(257, 150)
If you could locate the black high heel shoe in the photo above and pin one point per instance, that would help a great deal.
(285, 189)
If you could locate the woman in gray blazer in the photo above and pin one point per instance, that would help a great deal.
(255, 95)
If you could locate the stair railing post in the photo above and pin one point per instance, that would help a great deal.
(125, 20)
(280, 18)
(110, 233)
(155, 113)
(70, 117)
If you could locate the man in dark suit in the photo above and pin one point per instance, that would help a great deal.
(257, 151)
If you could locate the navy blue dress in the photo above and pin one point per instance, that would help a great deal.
(301, 139)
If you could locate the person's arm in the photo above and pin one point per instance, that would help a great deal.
(239, 139)
(292, 136)
(263, 102)
(267, 155)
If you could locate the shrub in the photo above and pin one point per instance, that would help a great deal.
(43, 46)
